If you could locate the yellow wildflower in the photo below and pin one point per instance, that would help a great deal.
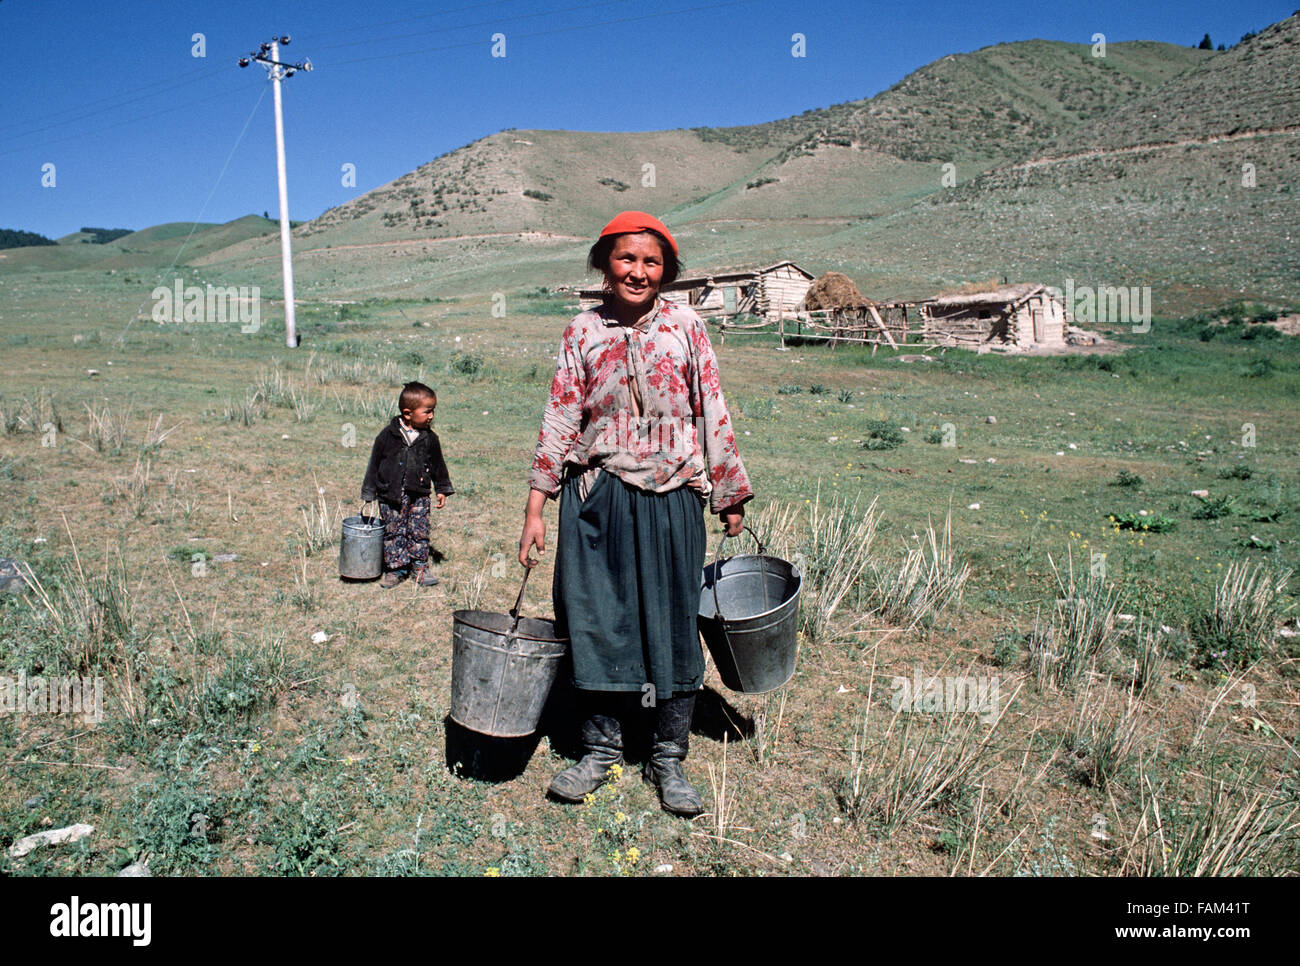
(633, 854)
(492, 872)
(620, 817)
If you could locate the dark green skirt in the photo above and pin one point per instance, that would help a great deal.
(627, 587)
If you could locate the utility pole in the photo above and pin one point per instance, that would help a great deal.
(268, 55)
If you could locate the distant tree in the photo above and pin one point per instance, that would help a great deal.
(266, 215)
(102, 236)
(1206, 44)
(1220, 47)
(14, 238)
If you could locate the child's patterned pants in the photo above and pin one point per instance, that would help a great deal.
(406, 532)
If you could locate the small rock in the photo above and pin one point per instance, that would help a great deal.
(34, 801)
(665, 868)
(1072, 446)
(832, 439)
(12, 576)
(787, 857)
(320, 637)
(56, 836)
(92, 372)
(1203, 494)
(991, 420)
(967, 461)
(1126, 618)
(136, 870)
(843, 690)
(973, 506)
(285, 436)
(1060, 452)
(1180, 688)
(991, 459)
(225, 558)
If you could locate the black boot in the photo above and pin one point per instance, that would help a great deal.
(602, 738)
(664, 768)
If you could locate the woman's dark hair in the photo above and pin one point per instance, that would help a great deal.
(414, 393)
(598, 257)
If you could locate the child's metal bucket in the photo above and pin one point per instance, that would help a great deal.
(361, 548)
(502, 669)
(749, 616)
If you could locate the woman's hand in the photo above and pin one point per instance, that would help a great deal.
(733, 518)
(534, 532)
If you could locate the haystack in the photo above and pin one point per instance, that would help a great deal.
(834, 290)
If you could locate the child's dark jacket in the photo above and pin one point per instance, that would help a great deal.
(396, 467)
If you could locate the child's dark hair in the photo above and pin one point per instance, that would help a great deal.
(414, 393)
(598, 257)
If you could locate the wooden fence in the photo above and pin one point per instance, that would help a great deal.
(864, 325)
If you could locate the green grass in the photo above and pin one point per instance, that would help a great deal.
(329, 758)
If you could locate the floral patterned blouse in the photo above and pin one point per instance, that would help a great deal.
(642, 402)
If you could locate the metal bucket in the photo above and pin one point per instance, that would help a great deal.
(502, 669)
(361, 548)
(749, 616)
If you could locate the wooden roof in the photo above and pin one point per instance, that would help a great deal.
(717, 278)
(1006, 295)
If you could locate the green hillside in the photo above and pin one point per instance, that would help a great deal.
(153, 247)
(1154, 193)
(1034, 159)
(1002, 101)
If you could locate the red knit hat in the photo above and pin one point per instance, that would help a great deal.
(633, 221)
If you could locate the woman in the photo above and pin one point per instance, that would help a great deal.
(635, 437)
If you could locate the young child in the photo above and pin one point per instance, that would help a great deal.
(405, 463)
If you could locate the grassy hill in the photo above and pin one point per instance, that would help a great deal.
(1151, 193)
(858, 187)
(515, 208)
(149, 248)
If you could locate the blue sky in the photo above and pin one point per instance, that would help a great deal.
(139, 129)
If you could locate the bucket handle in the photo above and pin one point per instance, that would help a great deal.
(362, 511)
(514, 611)
(717, 573)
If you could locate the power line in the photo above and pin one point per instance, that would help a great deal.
(547, 33)
(166, 83)
(495, 21)
(120, 123)
(199, 217)
(352, 31)
(172, 85)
